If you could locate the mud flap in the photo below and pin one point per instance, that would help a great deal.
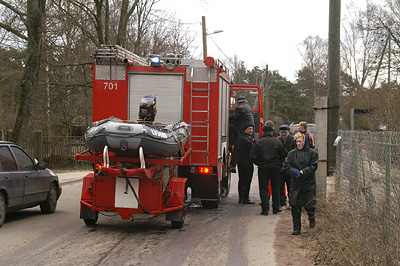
(87, 213)
(175, 216)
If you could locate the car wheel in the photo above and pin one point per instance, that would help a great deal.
(49, 206)
(2, 209)
(92, 222)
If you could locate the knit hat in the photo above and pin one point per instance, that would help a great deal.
(241, 99)
(248, 125)
(267, 128)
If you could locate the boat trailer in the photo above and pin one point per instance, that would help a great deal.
(128, 185)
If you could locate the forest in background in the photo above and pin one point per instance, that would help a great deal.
(46, 48)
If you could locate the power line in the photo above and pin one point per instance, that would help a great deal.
(176, 22)
(221, 51)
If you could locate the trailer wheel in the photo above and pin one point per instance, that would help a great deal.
(179, 224)
(92, 222)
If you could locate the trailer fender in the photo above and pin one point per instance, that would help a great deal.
(87, 213)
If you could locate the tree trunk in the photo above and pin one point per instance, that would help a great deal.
(126, 13)
(99, 21)
(36, 18)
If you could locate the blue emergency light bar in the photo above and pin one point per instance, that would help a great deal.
(155, 61)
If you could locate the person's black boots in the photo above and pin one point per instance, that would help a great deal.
(296, 214)
(296, 230)
(232, 169)
(312, 222)
(248, 201)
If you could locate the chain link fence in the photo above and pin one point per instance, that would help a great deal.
(367, 195)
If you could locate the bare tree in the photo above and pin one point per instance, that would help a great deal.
(312, 78)
(361, 46)
(126, 13)
(34, 20)
(239, 71)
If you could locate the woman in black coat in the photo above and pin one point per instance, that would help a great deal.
(301, 164)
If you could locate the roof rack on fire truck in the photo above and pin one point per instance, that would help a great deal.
(107, 54)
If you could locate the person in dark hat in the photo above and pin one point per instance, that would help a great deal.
(241, 117)
(243, 145)
(268, 154)
(272, 124)
(288, 141)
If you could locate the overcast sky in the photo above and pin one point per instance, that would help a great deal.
(259, 32)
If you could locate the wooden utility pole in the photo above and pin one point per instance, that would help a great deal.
(203, 25)
(265, 90)
(333, 78)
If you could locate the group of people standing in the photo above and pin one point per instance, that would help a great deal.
(281, 159)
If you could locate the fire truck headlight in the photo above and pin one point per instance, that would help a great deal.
(155, 61)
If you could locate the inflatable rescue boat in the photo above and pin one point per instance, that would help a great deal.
(125, 139)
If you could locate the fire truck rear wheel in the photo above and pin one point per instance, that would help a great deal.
(210, 204)
(226, 178)
(92, 222)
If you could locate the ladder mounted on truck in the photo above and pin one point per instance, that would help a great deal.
(108, 54)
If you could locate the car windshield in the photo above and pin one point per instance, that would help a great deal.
(251, 97)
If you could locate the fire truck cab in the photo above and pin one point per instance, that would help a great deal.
(254, 99)
(195, 91)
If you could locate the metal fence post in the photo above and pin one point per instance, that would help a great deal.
(388, 186)
(356, 173)
(338, 165)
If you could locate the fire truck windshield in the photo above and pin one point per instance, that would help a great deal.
(251, 97)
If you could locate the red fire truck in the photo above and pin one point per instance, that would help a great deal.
(195, 91)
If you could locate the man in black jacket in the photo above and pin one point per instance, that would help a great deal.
(268, 154)
(241, 117)
(243, 145)
(288, 141)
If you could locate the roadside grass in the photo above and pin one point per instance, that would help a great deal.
(349, 233)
